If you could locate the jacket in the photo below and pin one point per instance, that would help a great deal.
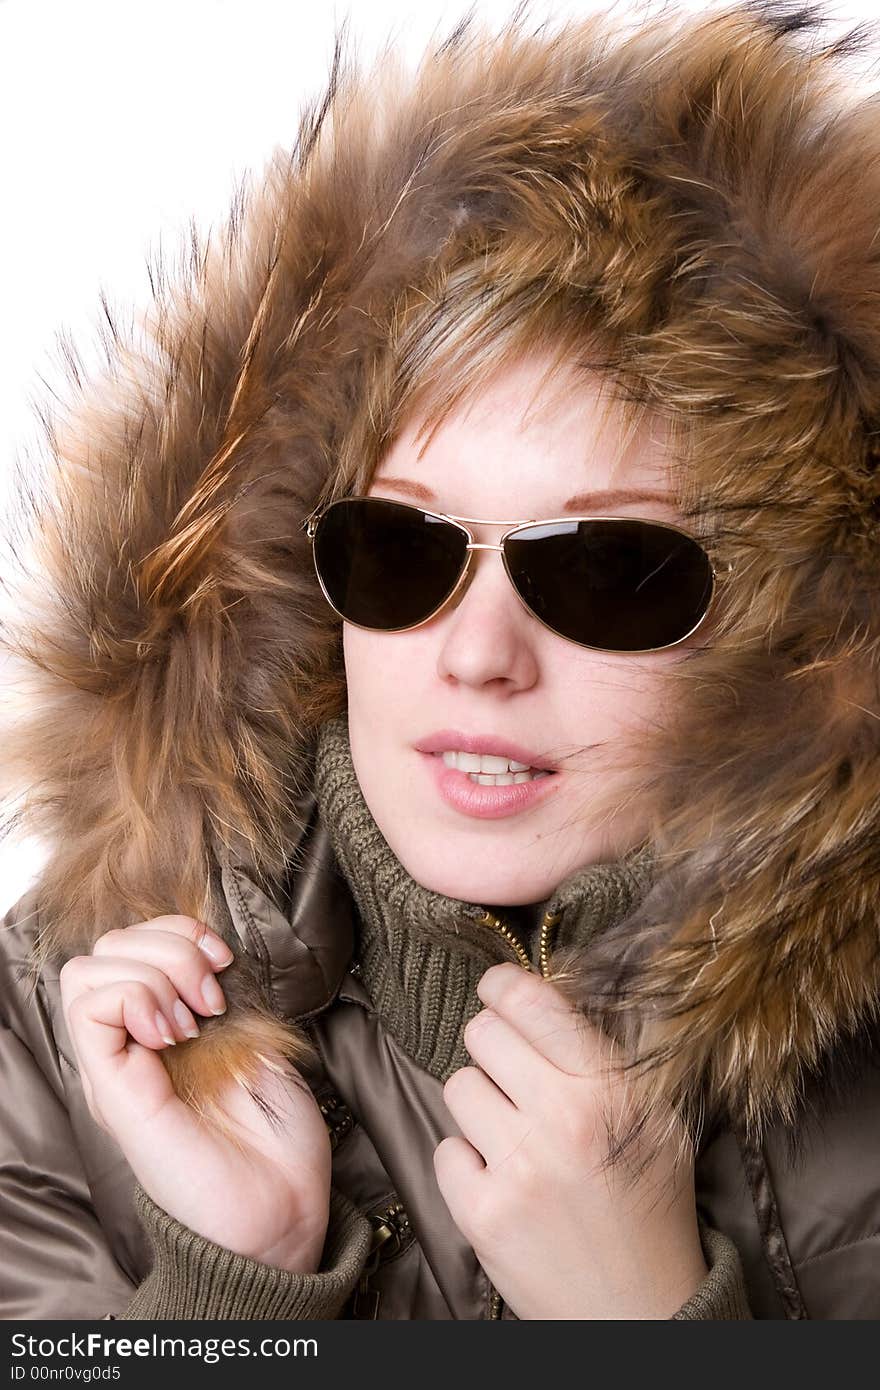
(171, 657)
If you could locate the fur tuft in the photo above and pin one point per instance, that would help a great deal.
(239, 1052)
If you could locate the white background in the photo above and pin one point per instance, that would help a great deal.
(121, 122)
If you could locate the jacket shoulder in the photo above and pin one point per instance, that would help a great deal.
(21, 921)
(829, 1182)
(803, 1204)
(18, 937)
(28, 992)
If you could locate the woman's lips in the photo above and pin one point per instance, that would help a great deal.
(486, 802)
(445, 739)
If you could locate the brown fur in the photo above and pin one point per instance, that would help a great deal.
(703, 202)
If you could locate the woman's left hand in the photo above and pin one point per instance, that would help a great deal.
(557, 1236)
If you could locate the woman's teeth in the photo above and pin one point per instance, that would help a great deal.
(491, 771)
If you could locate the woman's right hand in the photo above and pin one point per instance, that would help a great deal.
(267, 1200)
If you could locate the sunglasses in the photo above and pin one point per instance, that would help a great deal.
(610, 583)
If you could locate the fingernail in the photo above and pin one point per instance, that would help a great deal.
(185, 1019)
(216, 949)
(164, 1029)
(213, 995)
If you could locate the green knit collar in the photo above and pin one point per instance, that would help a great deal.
(421, 953)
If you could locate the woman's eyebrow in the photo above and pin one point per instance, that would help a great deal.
(580, 502)
(612, 497)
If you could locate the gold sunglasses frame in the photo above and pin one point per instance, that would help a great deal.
(719, 573)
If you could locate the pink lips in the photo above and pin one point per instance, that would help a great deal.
(487, 802)
(449, 740)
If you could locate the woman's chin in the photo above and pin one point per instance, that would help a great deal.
(503, 886)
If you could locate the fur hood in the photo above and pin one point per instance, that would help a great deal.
(707, 192)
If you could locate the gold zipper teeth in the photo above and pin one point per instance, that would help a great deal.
(551, 919)
(489, 919)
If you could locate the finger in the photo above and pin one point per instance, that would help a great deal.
(144, 1018)
(121, 1074)
(535, 1009)
(126, 1081)
(522, 1073)
(190, 971)
(83, 973)
(483, 1113)
(214, 946)
(458, 1169)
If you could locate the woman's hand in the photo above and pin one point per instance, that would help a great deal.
(136, 994)
(558, 1237)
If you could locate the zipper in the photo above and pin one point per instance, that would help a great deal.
(550, 920)
(337, 1117)
(392, 1234)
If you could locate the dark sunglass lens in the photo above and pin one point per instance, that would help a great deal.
(385, 565)
(622, 585)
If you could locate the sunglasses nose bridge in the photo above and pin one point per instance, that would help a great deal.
(467, 570)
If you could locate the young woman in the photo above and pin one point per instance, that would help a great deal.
(451, 691)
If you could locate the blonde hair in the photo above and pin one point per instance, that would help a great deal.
(445, 345)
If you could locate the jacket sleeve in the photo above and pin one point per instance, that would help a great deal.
(55, 1258)
(722, 1295)
(55, 1261)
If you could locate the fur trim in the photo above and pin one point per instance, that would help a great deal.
(706, 193)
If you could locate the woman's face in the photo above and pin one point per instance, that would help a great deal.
(484, 667)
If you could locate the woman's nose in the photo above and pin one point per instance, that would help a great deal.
(485, 632)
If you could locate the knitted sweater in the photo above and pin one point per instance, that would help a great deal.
(407, 961)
